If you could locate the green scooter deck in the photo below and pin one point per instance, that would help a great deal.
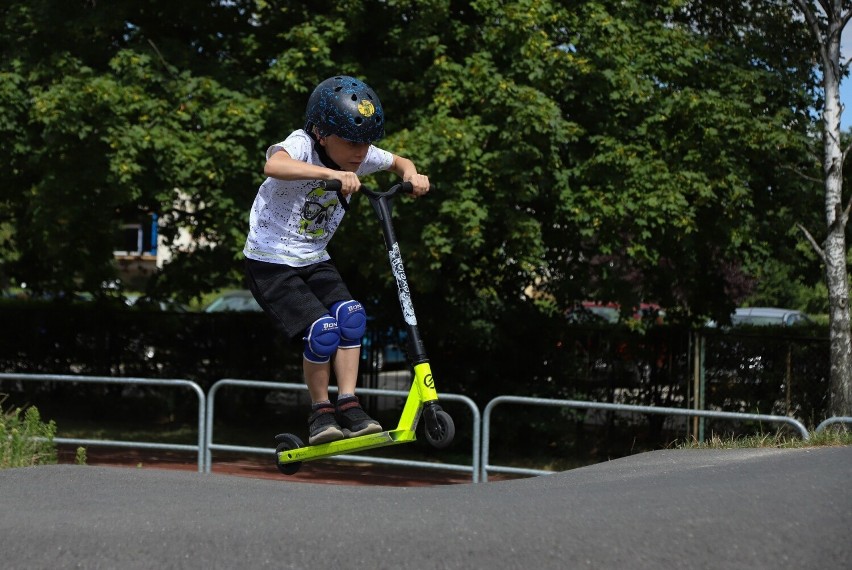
(360, 443)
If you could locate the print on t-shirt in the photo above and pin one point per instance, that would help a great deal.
(317, 211)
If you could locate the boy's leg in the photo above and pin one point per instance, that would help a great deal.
(317, 378)
(287, 297)
(320, 343)
(325, 282)
(346, 362)
(322, 423)
(353, 420)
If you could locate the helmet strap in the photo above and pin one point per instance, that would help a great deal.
(313, 132)
(323, 156)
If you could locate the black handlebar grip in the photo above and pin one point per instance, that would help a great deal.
(407, 187)
(333, 185)
(337, 187)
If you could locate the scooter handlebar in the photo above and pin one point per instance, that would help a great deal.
(336, 186)
(332, 185)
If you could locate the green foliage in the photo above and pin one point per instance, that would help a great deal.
(25, 440)
(621, 151)
(147, 140)
(666, 186)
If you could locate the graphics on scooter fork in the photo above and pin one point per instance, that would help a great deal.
(404, 292)
(439, 428)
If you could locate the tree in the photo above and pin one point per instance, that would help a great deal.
(826, 20)
(611, 149)
(111, 120)
(617, 150)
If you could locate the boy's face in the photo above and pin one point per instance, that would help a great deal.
(347, 155)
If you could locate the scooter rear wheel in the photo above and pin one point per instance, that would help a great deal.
(439, 429)
(286, 442)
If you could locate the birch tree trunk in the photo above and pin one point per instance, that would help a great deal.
(827, 21)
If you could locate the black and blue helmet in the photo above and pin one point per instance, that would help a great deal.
(346, 107)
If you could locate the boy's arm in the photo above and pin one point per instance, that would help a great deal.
(281, 166)
(406, 170)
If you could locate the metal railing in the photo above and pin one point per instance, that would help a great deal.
(174, 383)
(831, 421)
(210, 446)
(481, 424)
(486, 422)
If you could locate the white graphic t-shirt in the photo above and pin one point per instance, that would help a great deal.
(292, 221)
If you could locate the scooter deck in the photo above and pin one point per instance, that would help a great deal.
(360, 443)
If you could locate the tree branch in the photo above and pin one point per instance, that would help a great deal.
(817, 248)
(802, 175)
(845, 216)
(839, 221)
(813, 23)
(167, 67)
(844, 19)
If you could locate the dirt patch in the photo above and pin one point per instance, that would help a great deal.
(260, 467)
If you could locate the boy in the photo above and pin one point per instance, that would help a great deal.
(292, 220)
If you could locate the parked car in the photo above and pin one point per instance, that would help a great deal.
(240, 300)
(143, 302)
(769, 316)
(594, 312)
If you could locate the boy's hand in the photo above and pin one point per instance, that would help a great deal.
(348, 180)
(419, 183)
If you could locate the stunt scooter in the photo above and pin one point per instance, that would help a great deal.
(422, 400)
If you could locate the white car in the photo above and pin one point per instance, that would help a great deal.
(769, 316)
(240, 301)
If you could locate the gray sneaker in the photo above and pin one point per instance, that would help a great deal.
(353, 419)
(323, 427)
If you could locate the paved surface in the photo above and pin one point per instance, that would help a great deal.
(668, 509)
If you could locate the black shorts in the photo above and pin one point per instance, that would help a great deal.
(294, 297)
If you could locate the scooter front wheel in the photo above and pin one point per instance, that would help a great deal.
(439, 429)
(287, 442)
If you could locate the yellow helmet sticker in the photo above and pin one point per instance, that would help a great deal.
(366, 108)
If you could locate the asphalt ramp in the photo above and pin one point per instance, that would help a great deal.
(765, 508)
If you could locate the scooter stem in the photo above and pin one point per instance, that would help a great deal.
(381, 205)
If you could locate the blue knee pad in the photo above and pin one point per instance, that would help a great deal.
(321, 339)
(352, 321)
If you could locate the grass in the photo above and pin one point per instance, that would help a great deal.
(836, 437)
(25, 440)
(778, 440)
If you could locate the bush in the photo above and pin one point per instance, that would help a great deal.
(25, 440)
